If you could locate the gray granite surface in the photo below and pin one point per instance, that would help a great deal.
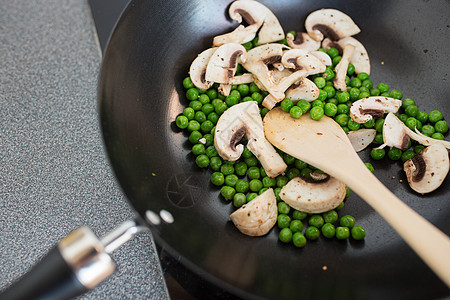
(54, 174)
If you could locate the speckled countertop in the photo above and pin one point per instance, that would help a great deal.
(54, 174)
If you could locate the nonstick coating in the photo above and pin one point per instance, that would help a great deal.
(140, 95)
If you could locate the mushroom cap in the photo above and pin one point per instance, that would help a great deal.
(361, 138)
(313, 197)
(332, 23)
(197, 70)
(299, 59)
(365, 109)
(223, 62)
(303, 41)
(258, 216)
(427, 170)
(304, 89)
(360, 58)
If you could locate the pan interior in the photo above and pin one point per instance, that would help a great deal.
(141, 93)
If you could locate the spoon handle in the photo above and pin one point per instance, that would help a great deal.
(431, 244)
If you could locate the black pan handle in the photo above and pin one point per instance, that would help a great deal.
(75, 265)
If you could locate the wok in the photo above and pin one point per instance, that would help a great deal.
(140, 95)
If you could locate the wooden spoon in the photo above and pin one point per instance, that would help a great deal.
(325, 145)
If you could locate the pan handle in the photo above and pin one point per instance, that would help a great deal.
(77, 264)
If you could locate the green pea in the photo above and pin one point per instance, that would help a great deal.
(299, 240)
(343, 97)
(251, 196)
(428, 130)
(374, 92)
(363, 95)
(340, 206)
(304, 105)
(193, 125)
(240, 168)
(195, 136)
(262, 172)
(295, 112)
(299, 215)
(383, 87)
(322, 95)
(235, 93)
(264, 111)
(328, 230)
(343, 109)
(283, 208)
(396, 94)
(300, 164)
(277, 191)
(292, 173)
(221, 108)
(418, 148)
(342, 119)
(296, 226)
(241, 186)
(330, 216)
(320, 82)
(192, 94)
(217, 178)
(227, 169)
(305, 173)
(379, 138)
(370, 167)
(256, 96)
(286, 105)
(215, 163)
(354, 94)
(407, 102)
(283, 220)
(246, 99)
(182, 122)
(330, 91)
(411, 110)
(243, 89)
(288, 159)
(437, 136)
(407, 155)
(206, 126)
(379, 125)
(350, 69)
(231, 180)
(342, 233)
(358, 233)
(227, 192)
(316, 113)
(231, 100)
(239, 199)
(251, 161)
(441, 126)
(213, 117)
(377, 154)
(282, 180)
(333, 52)
(202, 161)
(312, 233)
(330, 109)
(285, 235)
(368, 84)
(247, 153)
(204, 99)
(207, 109)
(362, 76)
(189, 113)
(268, 182)
(422, 116)
(255, 185)
(212, 93)
(395, 153)
(253, 88)
(317, 103)
(316, 221)
(187, 83)
(352, 125)
(347, 221)
(369, 124)
(412, 123)
(253, 173)
(198, 149)
(355, 82)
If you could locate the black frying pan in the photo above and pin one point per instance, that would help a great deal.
(140, 95)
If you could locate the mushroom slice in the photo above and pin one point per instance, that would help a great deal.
(397, 134)
(223, 63)
(299, 59)
(258, 61)
(198, 69)
(361, 138)
(360, 58)
(365, 109)
(257, 217)
(241, 120)
(323, 57)
(255, 14)
(303, 41)
(427, 170)
(313, 195)
(341, 68)
(304, 89)
(332, 23)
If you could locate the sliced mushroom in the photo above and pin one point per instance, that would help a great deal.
(258, 61)
(360, 58)
(257, 217)
(427, 170)
(397, 134)
(304, 89)
(323, 57)
(223, 63)
(366, 109)
(241, 120)
(332, 23)
(197, 70)
(361, 138)
(313, 195)
(256, 15)
(341, 68)
(304, 64)
(303, 41)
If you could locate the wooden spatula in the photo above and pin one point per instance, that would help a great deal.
(325, 145)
